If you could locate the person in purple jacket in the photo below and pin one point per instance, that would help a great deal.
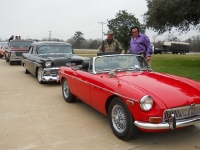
(140, 44)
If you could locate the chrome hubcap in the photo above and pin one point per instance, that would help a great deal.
(39, 75)
(118, 118)
(66, 89)
(24, 67)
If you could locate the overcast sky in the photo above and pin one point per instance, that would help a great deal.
(36, 19)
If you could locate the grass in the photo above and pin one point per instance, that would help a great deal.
(182, 65)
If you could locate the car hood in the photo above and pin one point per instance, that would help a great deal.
(19, 48)
(172, 90)
(61, 59)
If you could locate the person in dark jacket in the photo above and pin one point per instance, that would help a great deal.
(11, 38)
(110, 44)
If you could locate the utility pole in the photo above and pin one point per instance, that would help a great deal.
(49, 35)
(102, 23)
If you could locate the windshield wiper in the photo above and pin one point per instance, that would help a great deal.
(103, 70)
(107, 69)
(146, 69)
(133, 69)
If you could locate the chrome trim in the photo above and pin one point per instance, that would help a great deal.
(172, 122)
(15, 58)
(165, 125)
(182, 112)
(49, 77)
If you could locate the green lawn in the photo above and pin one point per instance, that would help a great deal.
(182, 65)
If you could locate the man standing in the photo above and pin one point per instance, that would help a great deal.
(11, 38)
(140, 44)
(110, 44)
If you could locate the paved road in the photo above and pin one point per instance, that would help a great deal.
(35, 117)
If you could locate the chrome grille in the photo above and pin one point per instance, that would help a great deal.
(19, 53)
(54, 72)
(182, 112)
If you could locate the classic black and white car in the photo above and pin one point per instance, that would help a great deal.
(45, 57)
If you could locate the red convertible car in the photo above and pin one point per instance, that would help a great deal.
(133, 96)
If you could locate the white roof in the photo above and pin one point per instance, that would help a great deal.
(169, 43)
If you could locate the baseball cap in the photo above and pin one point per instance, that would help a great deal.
(109, 32)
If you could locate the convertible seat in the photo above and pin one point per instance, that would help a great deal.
(85, 65)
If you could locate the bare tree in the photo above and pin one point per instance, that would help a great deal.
(171, 37)
(154, 37)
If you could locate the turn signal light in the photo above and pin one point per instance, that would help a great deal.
(129, 103)
(155, 119)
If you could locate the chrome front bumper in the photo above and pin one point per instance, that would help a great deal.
(15, 58)
(51, 76)
(173, 124)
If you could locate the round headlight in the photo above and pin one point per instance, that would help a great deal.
(48, 64)
(146, 103)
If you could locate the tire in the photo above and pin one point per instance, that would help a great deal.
(7, 60)
(39, 76)
(121, 120)
(25, 70)
(1, 56)
(11, 63)
(67, 95)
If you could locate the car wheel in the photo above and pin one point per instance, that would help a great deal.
(7, 60)
(67, 95)
(1, 56)
(121, 120)
(11, 63)
(25, 70)
(39, 76)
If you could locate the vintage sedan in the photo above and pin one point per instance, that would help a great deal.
(14, 50)
(44, 59)
(133, 96)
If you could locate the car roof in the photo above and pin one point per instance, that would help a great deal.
(49, 42)
(18, 40)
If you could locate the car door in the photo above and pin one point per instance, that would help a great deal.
(100, 92)
(82, 85)
(31, 59)
(26, 60)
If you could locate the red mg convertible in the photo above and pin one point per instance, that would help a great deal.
(133, 96)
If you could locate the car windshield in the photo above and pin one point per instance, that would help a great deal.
(47, 49)
(125, 62)
(2, 43)
(20, 43)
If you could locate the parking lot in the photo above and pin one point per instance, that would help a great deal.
(35, 116)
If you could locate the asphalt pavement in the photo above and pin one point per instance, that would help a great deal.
(35, 116)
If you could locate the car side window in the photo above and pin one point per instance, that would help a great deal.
(34, 50)
(30, 50)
